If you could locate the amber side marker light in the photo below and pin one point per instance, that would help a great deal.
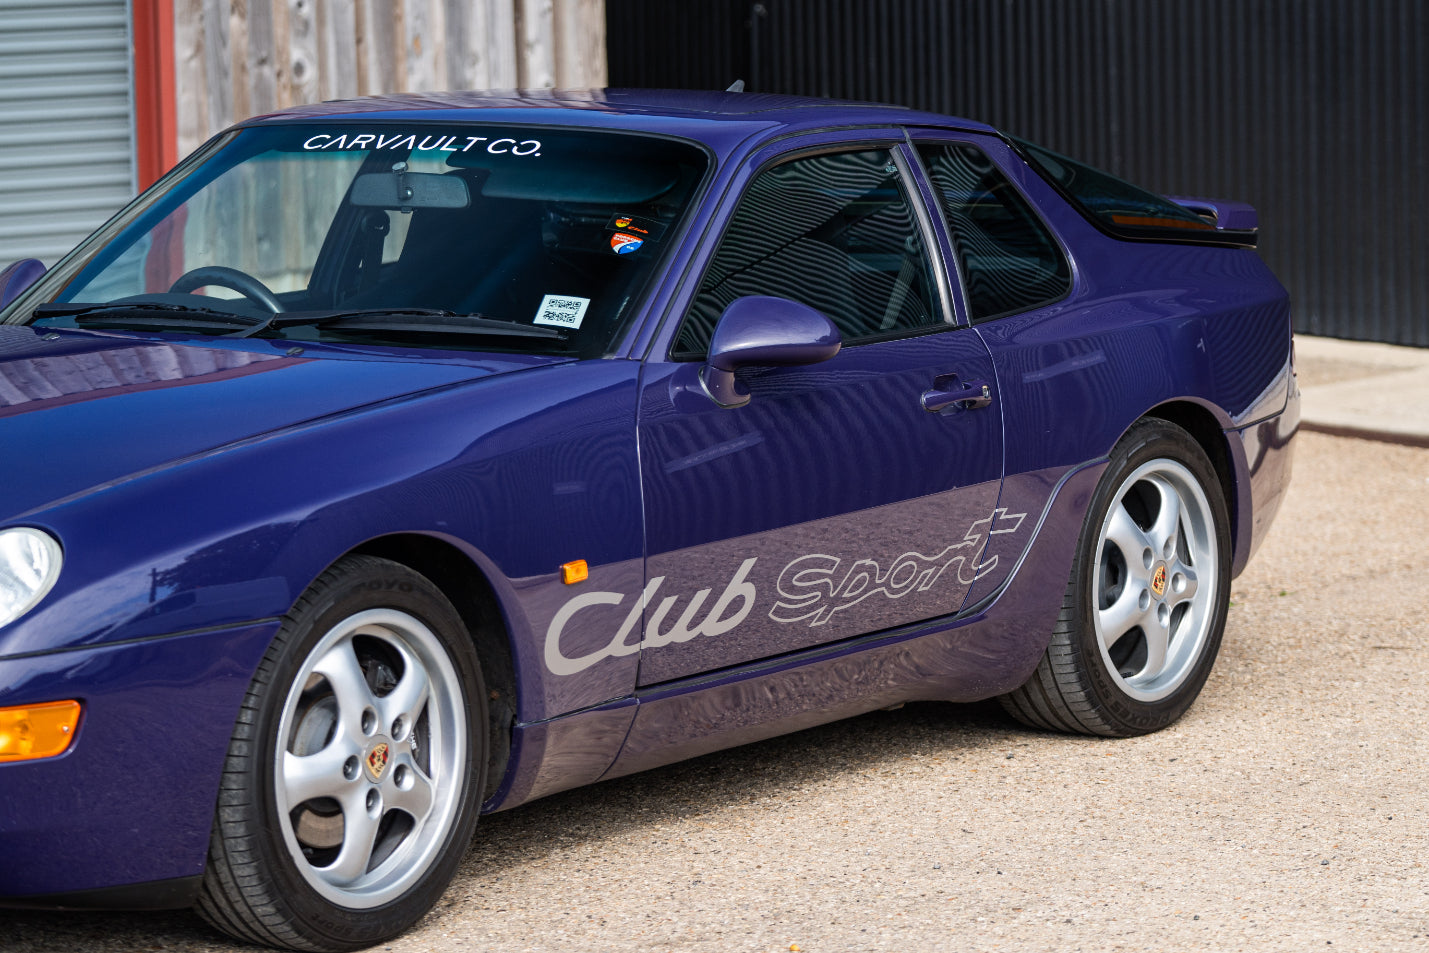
(574, 571)
(28, 732)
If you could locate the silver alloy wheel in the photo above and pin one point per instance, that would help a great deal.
(1154, 582)
(368, 773)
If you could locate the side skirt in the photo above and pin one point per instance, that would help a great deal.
(175, 894)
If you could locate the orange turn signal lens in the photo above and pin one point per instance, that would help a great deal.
(574, 571)
(28, 732)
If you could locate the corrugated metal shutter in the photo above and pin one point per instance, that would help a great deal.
(66, 122)
(1311, 110)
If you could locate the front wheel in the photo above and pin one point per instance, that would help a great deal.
(353, 778)
(1145, 608)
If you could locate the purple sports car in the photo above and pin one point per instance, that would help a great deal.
(394, 461)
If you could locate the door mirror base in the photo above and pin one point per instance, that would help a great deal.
(722, 387)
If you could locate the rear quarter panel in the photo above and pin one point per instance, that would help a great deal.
(1146, 325)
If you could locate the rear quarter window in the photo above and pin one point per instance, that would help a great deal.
(1010, 262)
(1117, 206)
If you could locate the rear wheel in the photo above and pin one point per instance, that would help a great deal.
(353, 777)
(1146, 604)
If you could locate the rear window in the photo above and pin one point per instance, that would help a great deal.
(1118, 206)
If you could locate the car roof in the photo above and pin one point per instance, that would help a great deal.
(714, 117)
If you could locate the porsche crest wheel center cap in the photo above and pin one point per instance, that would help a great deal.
(1158, 581)
(376, 761)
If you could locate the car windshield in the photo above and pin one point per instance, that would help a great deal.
(448, 236)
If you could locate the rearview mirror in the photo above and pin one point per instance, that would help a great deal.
(760, 331)
(400, 189)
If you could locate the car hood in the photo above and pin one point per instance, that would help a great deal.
(80, 410)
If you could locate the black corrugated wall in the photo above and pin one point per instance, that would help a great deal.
(1315, 111)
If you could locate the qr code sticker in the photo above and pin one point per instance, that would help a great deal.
(561, 311)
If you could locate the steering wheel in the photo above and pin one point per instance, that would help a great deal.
(231, 278)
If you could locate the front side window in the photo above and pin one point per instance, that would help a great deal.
(1010, 261)
(836, 232)
(531, 239)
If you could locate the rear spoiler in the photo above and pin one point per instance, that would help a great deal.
(1224, 215)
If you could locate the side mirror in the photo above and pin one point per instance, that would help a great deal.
(757, 331)
(18, 277)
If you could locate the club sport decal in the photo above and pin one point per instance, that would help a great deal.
(719, 620)
(811, 589)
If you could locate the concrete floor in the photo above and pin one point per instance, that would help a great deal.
(1359, 388)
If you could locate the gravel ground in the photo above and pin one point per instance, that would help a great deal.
(1285, 812)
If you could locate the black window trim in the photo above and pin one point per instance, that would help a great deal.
(892, 141)
(923, 137)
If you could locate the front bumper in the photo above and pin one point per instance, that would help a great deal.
(131, 801)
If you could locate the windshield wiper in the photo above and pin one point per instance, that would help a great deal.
(160, 316)
(429, 320)
(142, 315)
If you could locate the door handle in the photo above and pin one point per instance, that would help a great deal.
(947, 390)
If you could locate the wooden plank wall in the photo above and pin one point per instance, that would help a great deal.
(239, 58)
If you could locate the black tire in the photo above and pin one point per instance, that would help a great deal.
(1105, 671)
(347, 797)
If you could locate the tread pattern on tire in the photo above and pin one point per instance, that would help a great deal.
(234, 897)
(1056, 697)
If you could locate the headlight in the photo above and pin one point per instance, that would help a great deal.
(29, 565)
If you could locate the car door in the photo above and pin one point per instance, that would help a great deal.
(1015, 272)
(832, 504)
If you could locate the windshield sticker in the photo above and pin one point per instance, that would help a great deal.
(561, 311)
(623, 244)
(407, 142)
(644, 227)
